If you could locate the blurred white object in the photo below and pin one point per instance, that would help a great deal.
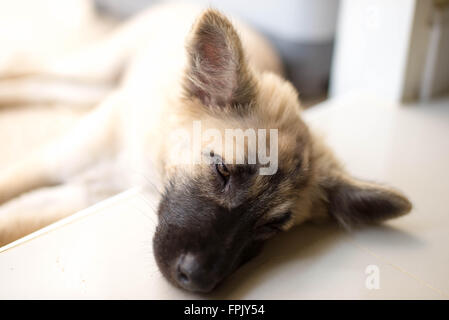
(390, 49)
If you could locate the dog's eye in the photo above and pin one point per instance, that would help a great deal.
(276, 224)
(223, 171)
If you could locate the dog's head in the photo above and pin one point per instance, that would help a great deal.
(216, 213)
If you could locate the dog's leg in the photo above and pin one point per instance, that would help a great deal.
(42, 89)
(100, 62)
(82, 77)
(90, 141)
(36, 209)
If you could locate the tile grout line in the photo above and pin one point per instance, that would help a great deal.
(398, 268)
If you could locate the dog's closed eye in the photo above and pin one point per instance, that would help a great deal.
(275, 224)
(220, 168)
(223, 172)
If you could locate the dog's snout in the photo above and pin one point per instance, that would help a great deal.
(191, 275)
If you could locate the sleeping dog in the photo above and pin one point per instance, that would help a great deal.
(202, 110)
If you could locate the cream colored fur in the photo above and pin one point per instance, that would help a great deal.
(138, 77)
(115, 146)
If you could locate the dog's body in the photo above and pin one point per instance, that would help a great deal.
(116, 146)
(175, 74)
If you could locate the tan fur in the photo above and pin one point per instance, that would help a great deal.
(165, 87)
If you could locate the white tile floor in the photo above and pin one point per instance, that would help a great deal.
(105, 251)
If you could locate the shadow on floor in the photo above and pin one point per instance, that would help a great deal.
(305, 242)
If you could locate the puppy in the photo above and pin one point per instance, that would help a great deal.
(187, 74)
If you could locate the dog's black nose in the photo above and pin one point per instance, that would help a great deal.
(191, 276)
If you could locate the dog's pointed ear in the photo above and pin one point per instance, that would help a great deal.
(354, 202)
(217, 73)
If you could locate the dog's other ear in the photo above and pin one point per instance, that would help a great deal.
(353, 202)
(217, 72)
